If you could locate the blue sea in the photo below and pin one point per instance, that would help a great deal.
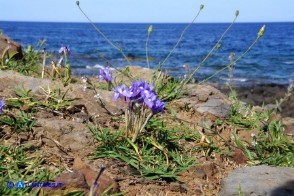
(271, 60)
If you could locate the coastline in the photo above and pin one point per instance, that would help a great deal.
(258, 95)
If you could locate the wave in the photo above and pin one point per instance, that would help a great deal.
(98, 66)
(289, 62)
(234, 79)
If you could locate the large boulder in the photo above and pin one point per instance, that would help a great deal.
(11, 81)
(259, 180)
(206, 100)
(13, 48)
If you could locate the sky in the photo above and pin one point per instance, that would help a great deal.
(147, 11)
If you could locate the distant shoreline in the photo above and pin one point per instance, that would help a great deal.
(184, 23)
(264, 94)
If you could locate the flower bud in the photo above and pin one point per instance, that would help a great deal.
(78, 3)
(232, 56)
(30, 49)
(237, 13)
(150, 30)
(201, 7)
(261, 31)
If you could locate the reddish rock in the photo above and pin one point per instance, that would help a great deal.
(90, 175)
(238, 157)
(74, 179)
(10, 45)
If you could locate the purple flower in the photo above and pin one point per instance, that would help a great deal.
(105, 74)
(158, 106)
(64, 50)
(121, 92)
(140, 92)
(1, 105)
(154, 103)
(150, 100)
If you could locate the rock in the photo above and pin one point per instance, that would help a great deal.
(259, 180)
(289, 127)
(73, 179)
(238, 157)
(13, 46)
(206, 100)
(136, 72)
(90, 175)
(72, 135)
(10, 81)
(214, 106)
(71, 182)
(82, 179)
(132, 57)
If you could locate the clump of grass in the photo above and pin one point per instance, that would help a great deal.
(155, 155)
(19, 112)
(28, 65)
(23, 122)
(270, 145)
(18, 164)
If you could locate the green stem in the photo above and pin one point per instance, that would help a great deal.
(210, 53)
(108, 86)
(179, 40)
(147, 58)
(127, 119)
(101, 102)
(44, 63)
(113, 66)
(104, 36)
(232, 63)
(185, 81)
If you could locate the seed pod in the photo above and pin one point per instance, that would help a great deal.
(237, 13)
(261, 31)
(150, 29)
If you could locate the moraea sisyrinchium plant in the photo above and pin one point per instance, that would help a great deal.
(64, 50)
(2, 104)
(138, 99)
(105, 74)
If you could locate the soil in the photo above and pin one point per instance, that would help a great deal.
(66, 139)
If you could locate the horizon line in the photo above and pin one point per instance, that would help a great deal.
(147, 22)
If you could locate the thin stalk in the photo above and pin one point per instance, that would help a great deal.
(113, 66)
(179, 40)
(149, 32)
(147, 58)
(108, 86)
(143, 126)
(139, 123)
(142, 116)
(209, 54)
(44, 62)
(5, 52)
(101, 102)
(232, 63)
(214, 48)
(104, 36)
(127, 119)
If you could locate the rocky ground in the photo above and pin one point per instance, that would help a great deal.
(66, 138)
(265, 95)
